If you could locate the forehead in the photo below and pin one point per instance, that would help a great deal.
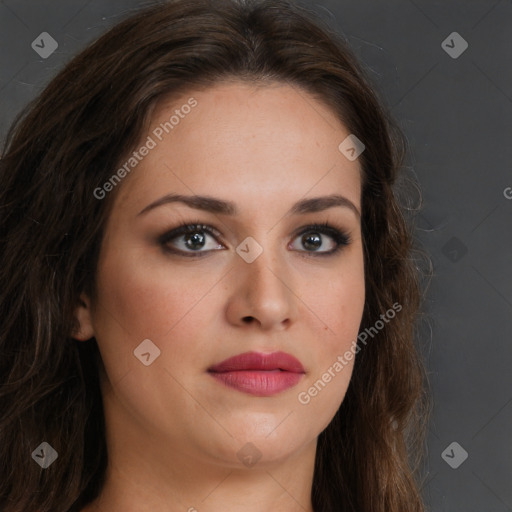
(238, 139)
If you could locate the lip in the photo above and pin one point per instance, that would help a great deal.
(259, 374)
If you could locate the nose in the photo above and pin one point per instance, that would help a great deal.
(262, 294)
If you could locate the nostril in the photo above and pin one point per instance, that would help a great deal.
(248, 319)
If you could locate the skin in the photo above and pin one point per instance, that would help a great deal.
(173, 431)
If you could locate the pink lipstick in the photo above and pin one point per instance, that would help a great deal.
(259, 374)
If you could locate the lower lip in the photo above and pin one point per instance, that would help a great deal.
(259, 383)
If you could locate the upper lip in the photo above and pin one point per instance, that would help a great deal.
(259, 361)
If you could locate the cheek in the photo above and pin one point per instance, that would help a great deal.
(137, 302)
(324, 390)
(339, 305)
(338, 302)
(147, 301)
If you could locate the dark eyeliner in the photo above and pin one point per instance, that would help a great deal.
(183, 229)
(340, 237)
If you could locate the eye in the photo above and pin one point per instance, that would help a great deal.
(322, 239)
(188, 239)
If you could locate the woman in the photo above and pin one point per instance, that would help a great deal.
(208, 295)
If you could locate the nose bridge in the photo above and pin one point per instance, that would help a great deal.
(265, 273)
(264, 285)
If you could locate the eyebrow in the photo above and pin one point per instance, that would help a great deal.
(214, 205)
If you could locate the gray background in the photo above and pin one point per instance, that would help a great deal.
(457, 115)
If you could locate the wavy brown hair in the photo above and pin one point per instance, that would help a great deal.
(68, 141)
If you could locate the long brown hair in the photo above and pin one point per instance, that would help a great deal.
(68, 141)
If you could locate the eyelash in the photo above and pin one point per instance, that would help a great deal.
(340, 238)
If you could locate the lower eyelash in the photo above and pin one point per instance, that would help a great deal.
(340, 237)
(183, 229)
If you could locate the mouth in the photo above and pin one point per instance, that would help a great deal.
(259, 374)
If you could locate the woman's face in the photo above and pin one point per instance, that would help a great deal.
(171, 306)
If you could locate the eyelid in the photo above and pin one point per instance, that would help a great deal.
(325, 227)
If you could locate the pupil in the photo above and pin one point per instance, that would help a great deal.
(195, 238)
(312, 241)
